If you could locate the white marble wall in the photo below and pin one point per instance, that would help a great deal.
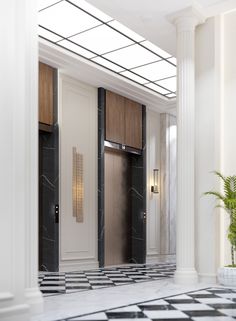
(167, 184)
(153, 200)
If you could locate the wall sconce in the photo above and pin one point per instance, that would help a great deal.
(77, 186)
(154, 187)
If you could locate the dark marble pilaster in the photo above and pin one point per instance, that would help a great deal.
(138, 201)
(49, 194)
(101, 137)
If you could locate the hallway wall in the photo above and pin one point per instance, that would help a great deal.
(78, 128)
(229, 110)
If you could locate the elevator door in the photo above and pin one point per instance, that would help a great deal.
(117, 208)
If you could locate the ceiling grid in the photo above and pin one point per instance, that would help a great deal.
(88, 32)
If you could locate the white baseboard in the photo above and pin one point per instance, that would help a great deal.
(15, 313)
(207, 278)
(77, 266)
(161, 258)
(34, 298)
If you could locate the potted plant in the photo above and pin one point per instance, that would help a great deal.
(227, 200)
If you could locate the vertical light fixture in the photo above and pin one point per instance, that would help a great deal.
(154, 187)
(77, 186)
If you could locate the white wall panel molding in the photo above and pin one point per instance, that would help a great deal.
(78, 128)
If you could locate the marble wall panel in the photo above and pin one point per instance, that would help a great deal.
(168, 184)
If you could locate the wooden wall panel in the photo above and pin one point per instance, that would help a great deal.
(45, 94)
(117, 208)
(115, 118)
(133, 124)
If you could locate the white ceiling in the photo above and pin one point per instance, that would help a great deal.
(148, 17)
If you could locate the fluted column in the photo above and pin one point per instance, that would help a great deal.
(19, 292)
(185, 22)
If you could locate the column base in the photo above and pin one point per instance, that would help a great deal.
(186, 277)
(34, 299)
(15, 313)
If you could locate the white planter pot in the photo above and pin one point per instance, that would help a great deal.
(227, 276)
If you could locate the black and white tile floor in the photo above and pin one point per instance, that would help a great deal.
(56, 283)
(211, 304)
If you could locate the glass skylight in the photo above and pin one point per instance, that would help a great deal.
(156, 70)
(107, 64)
(132, 56)
(134, 77)
(168, 83)
(85, 30)
(75, 48)
(101, 40)
(65, 19)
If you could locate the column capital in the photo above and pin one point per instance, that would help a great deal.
(187, 19)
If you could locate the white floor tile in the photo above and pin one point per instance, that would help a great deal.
(229, 312)
(169, 314)
(213, 319)
(213, 300)
(192, 307)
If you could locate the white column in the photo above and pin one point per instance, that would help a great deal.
(18, 170)
(185, 22)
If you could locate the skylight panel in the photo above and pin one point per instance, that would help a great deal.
(65, 19)
(173, 60)
(132, 56)
(169, 83)
(156, 49)
(128, 32)
(101, 39)
(157, 70)
(42, 4)
(86, 31)
(157, 88)
(48, 35)
(92, 10)
(107, 64)
(75, 48)
(134, 77)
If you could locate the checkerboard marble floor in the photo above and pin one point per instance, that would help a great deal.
(211, 304)
(61, 283)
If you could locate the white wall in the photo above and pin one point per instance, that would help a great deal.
(229, 106)
(208, 147)
(153, 200)
(78, 127)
